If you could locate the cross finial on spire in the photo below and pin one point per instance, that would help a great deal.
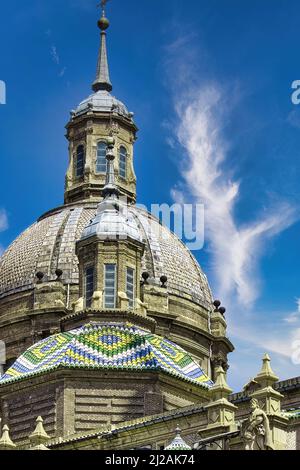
(102, 81)
(103, 5)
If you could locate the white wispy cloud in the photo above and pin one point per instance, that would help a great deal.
(203, 107)
(3, 220)
(293, 317)
(54, 55)
(3, 225)
(268, 331)
(62, 72)
(235, 249)
(276, 332)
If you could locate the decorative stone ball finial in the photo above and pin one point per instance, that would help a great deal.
(145, 277)
(103, 23)
(217, 304)
(59, 273)
(218, 308)
(222, 310)
(40, 276)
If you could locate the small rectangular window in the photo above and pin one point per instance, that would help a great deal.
(110, 272)
(130, 286)
(89, 286)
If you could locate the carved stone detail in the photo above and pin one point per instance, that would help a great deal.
(256, 430)
(113, 128)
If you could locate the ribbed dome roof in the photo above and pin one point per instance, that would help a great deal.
(50, 244)
(102, 101)
(113, 220)
(178, 443)
(115, 347)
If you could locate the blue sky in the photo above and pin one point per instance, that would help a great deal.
(199, 76)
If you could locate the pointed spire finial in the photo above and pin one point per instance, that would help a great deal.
(102, 81)
(220, 389)
(39, 437)
(266, 375)
(220, 377)
(5, 442)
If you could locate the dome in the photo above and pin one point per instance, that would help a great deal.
(113, 220)
(50, 244)
(102, 101)
(114, 347)
(178, 443)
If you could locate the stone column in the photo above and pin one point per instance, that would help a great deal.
(269, 401)
(221, 413)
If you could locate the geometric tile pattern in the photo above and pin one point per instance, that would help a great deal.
(109, 346)
(178, 443)
(292, 414)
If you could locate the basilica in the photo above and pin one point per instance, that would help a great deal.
(113, 338)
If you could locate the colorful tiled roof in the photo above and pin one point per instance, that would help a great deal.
(117, 347)
(292, 414)
(178, 443)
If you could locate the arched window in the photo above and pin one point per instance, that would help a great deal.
(101, 158)
(80, 161)
(123, 162)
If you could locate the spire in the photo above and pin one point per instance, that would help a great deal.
(268, 397)
(110, 188)
(5, 441)
(221, 412)
(220, 389)
(102, 81)
(266, 376)
(113, 220)
(178, 443)
(39, 437)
